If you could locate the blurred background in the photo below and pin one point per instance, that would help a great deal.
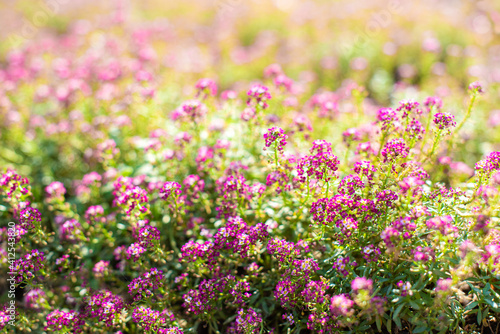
(441, 45)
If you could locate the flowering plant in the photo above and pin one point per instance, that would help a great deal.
(270, 207)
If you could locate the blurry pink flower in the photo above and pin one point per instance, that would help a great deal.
(494, 119)
(229, 95)
(431, 44)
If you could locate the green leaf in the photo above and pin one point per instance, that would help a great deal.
(398, 322)
(230, 319)
(389, 325)
(419, 286)
(414, 305)
(495, 294)
(427, 298)
(265, 308)
(492, 303)
(379, 324)
(254, 297)
(476, 290)
(485, 313)
(470, 306)
(479, 317)
(420, 329)
(398, 310)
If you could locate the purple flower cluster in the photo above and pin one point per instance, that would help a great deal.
(394, 150)
(170, 188)
(36, 299)
(10, 181)
(29, 218)
(276, 136)
(444, 225)
(281, 179)
(406, 107)
(405, 288)
(206, 87)
(341, 264)
(371, 253)
(476, 87)
(206, 297)
(321, 164)
(350, 184)
(149, 236)
(433, 102)
(135, 251)
(236, 238)
(444, 120)
(71, 230)
(55, 191)
(104, 306)
(314, 292)
(14, 187)
(101, 269)
(58, 320)
(365, 168)
(342, 306)
(192, 110)
(400, 229)
(258, 95)
(490, 164)
(142, 287)
(247, 322)
(28, 266)
(285, 293)
(340, 207)
(152, 320)
(131, 198)
(415, 129)
(95, 214)
(423, 254)
(389, 119)
(284, 250)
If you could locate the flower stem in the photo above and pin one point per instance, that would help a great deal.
(467, 115)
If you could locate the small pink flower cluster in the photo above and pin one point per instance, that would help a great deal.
(142, 287)
(275, 136)
(258, 95)
(444, 120)
(29, 218)
(26, 268)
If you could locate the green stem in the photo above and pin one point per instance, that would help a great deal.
(382, 142)
(308, 190)
(427, 125)
(467, 115)
(434, 146)
(276, 154)
(171, 228)
(388, 176)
